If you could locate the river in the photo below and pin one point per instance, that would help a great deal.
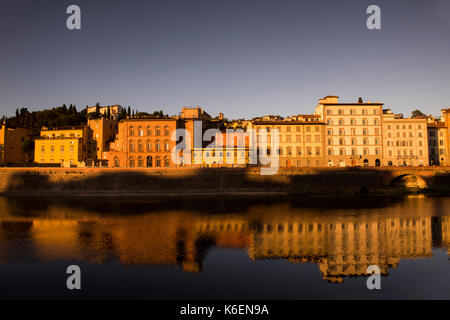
(224, 248)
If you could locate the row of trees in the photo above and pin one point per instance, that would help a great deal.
(66, 116)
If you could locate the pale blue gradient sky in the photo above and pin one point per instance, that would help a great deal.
(241, 57)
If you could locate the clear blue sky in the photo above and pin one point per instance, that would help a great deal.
(240, 57)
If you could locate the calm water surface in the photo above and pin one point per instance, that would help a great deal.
(225, 248)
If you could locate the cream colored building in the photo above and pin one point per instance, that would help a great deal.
(353, 132)
(404, 140)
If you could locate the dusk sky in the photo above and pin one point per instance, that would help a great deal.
(244, 58)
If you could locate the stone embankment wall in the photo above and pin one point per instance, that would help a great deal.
(156, 182)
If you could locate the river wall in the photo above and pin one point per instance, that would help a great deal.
(213, 181)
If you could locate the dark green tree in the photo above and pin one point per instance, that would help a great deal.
(417, 113)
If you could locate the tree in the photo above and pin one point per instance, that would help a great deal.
(417, 114)
(108, 113)
(28, 149)
(129, 111)
(360, 100)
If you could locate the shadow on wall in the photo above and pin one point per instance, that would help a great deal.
(219, 181)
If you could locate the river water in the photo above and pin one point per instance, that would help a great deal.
(225, 248)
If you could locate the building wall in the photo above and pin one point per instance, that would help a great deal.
(11, 144)
(301, 143)
(404, 141)
(142, 143)
(437, 144)
(104, 132)
(353, 132)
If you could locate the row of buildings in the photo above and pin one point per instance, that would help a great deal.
(337, 134)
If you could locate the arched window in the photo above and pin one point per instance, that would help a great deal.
(158, 130)
(149, 131)
(132, 162)
(140, 146)
(158, 161)
(116, 162)
(149, 162)
(166, 130)
(149, 146)
(158, 146)
(166, 161)
(131, 131)
(131, 146)
(140, 131)
(140, 162)
(166, 145)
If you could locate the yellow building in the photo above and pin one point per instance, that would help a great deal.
(301, 140)
(404, 140)
(65, 146)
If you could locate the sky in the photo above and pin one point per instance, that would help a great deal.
(244, 58)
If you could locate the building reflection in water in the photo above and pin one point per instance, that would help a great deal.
(342, 243)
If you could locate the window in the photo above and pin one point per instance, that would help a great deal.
(140, 162)
(62, 149)
(166, 131)
(131, 131)
(158, 132)
(149, 146)
(140, 131)
(166, 145)
(158, 146)
(42, 149)
(166, 161)
(140, 146)
(131, 146)
(149, 131)
(132, 162)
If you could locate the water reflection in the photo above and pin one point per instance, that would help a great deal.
(341, 241)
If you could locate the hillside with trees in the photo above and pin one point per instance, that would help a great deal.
(56, 117)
